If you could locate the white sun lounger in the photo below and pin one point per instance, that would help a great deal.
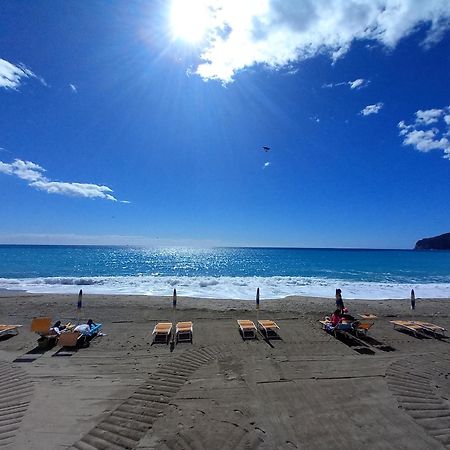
(162, 332)
(247, 329)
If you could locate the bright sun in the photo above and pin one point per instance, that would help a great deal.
(189, 20)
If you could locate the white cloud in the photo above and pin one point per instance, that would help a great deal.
(372, 109)
(358, 84)
(426, 139)
(279, 33)
(355, 84)
(429, 116)
(33, 174)
(11, 76)
(73, 88)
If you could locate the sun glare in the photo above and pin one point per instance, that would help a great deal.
(189, 19)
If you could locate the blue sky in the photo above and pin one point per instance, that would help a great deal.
(123, 124)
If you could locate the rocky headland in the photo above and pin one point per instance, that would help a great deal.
(441, 242)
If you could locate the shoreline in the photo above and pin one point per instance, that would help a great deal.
(294, 303)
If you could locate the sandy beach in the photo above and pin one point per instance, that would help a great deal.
(308, 390)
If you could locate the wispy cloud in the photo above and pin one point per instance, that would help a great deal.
(11, 75)
(279, 33)
(425, 138)
(355, 84)
(33, 174)
(73, 88)
(372, 109)
(358, 84)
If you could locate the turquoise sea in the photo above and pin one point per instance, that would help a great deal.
(226, 272)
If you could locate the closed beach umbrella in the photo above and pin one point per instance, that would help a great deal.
(80, 299)
(413, 299)
(257, 298)
(174, 308)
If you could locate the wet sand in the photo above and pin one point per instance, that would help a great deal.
(308, 390)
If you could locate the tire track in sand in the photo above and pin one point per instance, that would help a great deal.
(15, 392)
(411, 381)
(129, 422)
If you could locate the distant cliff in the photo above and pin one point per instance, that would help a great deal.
(441, 242)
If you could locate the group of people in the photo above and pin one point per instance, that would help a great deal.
(83, 328)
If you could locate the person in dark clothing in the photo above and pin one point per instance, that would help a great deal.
(339, 301)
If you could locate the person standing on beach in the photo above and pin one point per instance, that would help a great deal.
(339, 301)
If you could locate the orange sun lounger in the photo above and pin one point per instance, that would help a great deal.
(9, 330)
(247, 329)
(268, 328)
(432, 328)
(69, 339)
(363, 326)
(41, 326)
(162, 332)
(183, 332)
(407, 325)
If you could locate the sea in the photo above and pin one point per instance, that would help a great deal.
(225, 273)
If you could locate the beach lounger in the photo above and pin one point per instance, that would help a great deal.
(41, 326)
(183, 332)
(268, 328)
(432, 328)
(69, 339)
(11, 330)
(344, 327)
(407, 325)
(247, 329)
(76, 339)
(363, 326)
(47, 336)
(162, 332)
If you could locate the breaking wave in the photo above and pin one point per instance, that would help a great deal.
(225, 287)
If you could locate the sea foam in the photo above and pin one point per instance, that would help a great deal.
(226, 287)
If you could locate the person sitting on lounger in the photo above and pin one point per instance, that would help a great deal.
(85, 328)
(57, 328)
(335, 318)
